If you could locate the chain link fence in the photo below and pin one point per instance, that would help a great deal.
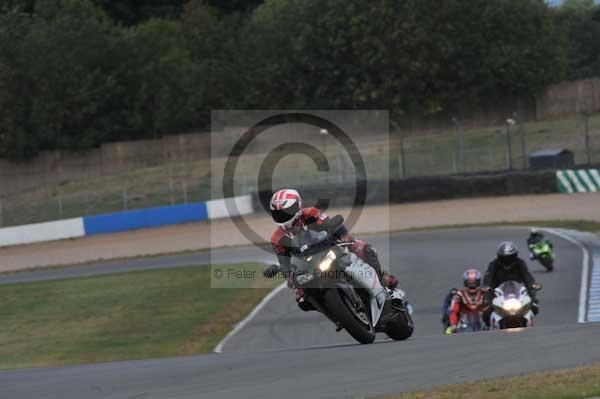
(503, 147)
(455, 150)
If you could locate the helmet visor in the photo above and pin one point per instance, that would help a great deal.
(284, 215)
(473, 283)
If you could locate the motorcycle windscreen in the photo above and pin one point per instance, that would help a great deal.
(541, 248)
(511, 289)
(308, 242)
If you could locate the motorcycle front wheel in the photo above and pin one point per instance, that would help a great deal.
(357, 325)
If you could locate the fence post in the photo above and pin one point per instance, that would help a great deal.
(324, 133)
(586, 132)
(341, 176)
(60, 206)
(522, 134)
(125, 198)
(508, 145)
(185, 193)
(394, 138)
(461, 144)
(454, 168)
(509, 122)
(171, 190)
(402, 157)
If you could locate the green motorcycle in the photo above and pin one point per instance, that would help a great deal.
(543, 252)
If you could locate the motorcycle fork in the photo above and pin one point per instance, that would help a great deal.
(320, 308)
(317, 304)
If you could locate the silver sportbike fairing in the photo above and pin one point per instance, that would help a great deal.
(345, 288)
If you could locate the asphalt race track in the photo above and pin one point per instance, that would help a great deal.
(286, 352)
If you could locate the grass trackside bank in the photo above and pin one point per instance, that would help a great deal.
(582, 382)
(134, 315)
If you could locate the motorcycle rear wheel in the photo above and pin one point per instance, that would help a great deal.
(547, 263)
(337, 306)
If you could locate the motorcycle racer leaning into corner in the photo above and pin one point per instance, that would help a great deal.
(508, 266)
(467, 300)
(290, 217)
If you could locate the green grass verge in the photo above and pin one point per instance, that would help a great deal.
(133, 315)
(582, 382)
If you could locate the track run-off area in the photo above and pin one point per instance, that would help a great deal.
(282, 351)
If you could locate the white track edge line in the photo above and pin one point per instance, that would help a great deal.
(585, 270)
(247, 319)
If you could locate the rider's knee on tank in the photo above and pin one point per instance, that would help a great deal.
(535, 305)
(372, 258)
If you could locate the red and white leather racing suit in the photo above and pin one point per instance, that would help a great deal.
(281, 241)
(466, 302)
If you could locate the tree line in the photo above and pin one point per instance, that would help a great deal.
(77, 73)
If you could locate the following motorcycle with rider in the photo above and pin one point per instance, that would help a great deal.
(544, 253)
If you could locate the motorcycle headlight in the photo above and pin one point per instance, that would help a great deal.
(512, 305)
(326, 263)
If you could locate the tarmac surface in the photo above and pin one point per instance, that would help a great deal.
(283, 351)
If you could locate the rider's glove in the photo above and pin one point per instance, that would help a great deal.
(271, 271)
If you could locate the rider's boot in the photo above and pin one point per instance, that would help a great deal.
(392, 282)
(301, 302)
(299, 294)
(371, 257)
(535, 306)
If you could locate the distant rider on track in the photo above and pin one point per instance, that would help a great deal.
(468, 301)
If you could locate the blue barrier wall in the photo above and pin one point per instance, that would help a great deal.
(143, 218)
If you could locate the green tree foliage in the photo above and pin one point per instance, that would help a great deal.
(76, 73)
(163, 84)
(58, 64)
(234, 6)
(72, 79)
(578, 6)
(419, 54)
(131, 12)
(580, 20)
(15, 142)
(213, 41)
